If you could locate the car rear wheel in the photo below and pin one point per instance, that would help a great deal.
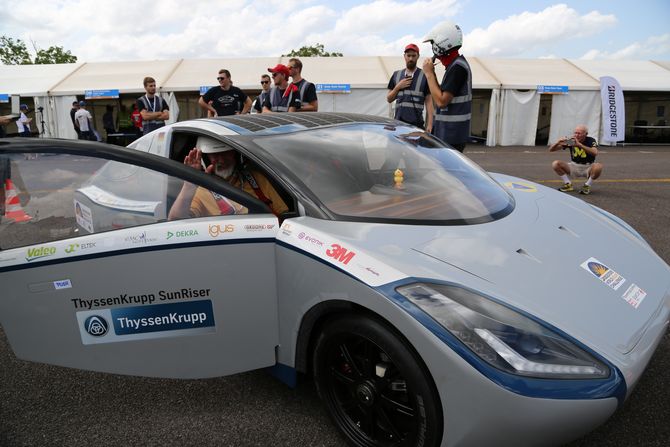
(376, 389)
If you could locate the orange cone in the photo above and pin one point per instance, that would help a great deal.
(13, 208)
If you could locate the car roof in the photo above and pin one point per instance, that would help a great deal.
(274, 123)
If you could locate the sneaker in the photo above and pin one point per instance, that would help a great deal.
(567, 187)
(586, 190)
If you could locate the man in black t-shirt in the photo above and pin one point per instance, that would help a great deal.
(225, 99)
(583, 152)
(307, 99)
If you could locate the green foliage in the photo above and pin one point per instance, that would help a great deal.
(54, 55)
(310, 51)
(15, 52)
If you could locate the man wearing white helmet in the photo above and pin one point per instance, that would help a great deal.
(224, 161)
(453, 96)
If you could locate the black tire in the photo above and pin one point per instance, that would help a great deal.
(401, 408)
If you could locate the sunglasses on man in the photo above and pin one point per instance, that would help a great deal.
(220, 78)
(265, 82)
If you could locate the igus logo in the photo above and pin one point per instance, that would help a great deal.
(217, 229)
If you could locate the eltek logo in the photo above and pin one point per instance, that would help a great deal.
(340, 254)
(40, 252)
(216, 229)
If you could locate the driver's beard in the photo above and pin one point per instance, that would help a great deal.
(224, 173)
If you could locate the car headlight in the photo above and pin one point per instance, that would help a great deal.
(503, 337)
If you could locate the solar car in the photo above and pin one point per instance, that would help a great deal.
(431, 302)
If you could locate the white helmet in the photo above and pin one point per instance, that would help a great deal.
(209, 145)
(445, 37)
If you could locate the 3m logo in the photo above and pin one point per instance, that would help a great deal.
(341, 254)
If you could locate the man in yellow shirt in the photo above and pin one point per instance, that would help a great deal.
(195, 201)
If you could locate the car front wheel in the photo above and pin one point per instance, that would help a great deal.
(374, 386)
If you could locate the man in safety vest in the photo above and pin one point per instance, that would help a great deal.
(308, 99)
(284, 96)
(224, 161)
(409, 89)
(153, 108)
(453, 96)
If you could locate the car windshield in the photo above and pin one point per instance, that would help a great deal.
(380, 173)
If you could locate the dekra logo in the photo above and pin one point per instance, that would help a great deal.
(182, 233)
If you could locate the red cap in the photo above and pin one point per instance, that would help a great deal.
(280, 68)
(411, 47)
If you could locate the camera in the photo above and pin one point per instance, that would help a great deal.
(569, 142)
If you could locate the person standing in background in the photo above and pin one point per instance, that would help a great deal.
(153, 109)
(258, 102)
(409, 89)
(308, 101)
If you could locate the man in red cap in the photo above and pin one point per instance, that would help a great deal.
(284, 96)
(409, 89)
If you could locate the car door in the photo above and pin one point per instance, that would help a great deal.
(96, 274)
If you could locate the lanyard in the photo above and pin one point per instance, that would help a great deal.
(153, 109)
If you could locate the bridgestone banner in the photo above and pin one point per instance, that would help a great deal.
(614, 112)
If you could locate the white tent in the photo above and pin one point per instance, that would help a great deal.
(632, 75)
(36, 81)
(520, 101)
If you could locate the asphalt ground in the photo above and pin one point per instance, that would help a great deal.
(54, 406)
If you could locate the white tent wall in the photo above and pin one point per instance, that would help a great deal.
(47, 116)
(494, 118)
(577, 107)
(519, 112)
(60, 106)
(367, 101)
(173, 105)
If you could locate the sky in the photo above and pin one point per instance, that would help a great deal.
(103, 30)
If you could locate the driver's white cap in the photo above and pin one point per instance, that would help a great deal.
(209, 145)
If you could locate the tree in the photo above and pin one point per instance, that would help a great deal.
(15, 52)
(54, 55)
(310, 51)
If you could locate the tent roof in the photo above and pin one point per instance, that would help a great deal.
(33, 80)
(360, 72)
(127, 77)
(522, 74)
(632, 75)
(191, 74)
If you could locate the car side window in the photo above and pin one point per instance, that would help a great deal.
(50, 197)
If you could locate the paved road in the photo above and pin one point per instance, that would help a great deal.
(45, 405)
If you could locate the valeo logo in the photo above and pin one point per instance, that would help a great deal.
(39, 252)
(181, 233)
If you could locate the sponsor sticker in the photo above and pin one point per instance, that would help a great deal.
(146, 322)
(603, 273)
(286, 229)
(258, 227)
(340, 254)
(215, 230)
(139, 238)
(634, 295)
(76, 248)
(34, 253)
(177, 234)
(63, 284)
(521, 186)
(83, 215)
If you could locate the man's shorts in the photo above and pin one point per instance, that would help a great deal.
(578, 170)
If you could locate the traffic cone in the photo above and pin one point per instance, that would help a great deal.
(13, 208)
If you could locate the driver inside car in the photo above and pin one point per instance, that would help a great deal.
(225, 162)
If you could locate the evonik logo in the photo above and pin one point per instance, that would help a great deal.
(39, 252)
(340, 254)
